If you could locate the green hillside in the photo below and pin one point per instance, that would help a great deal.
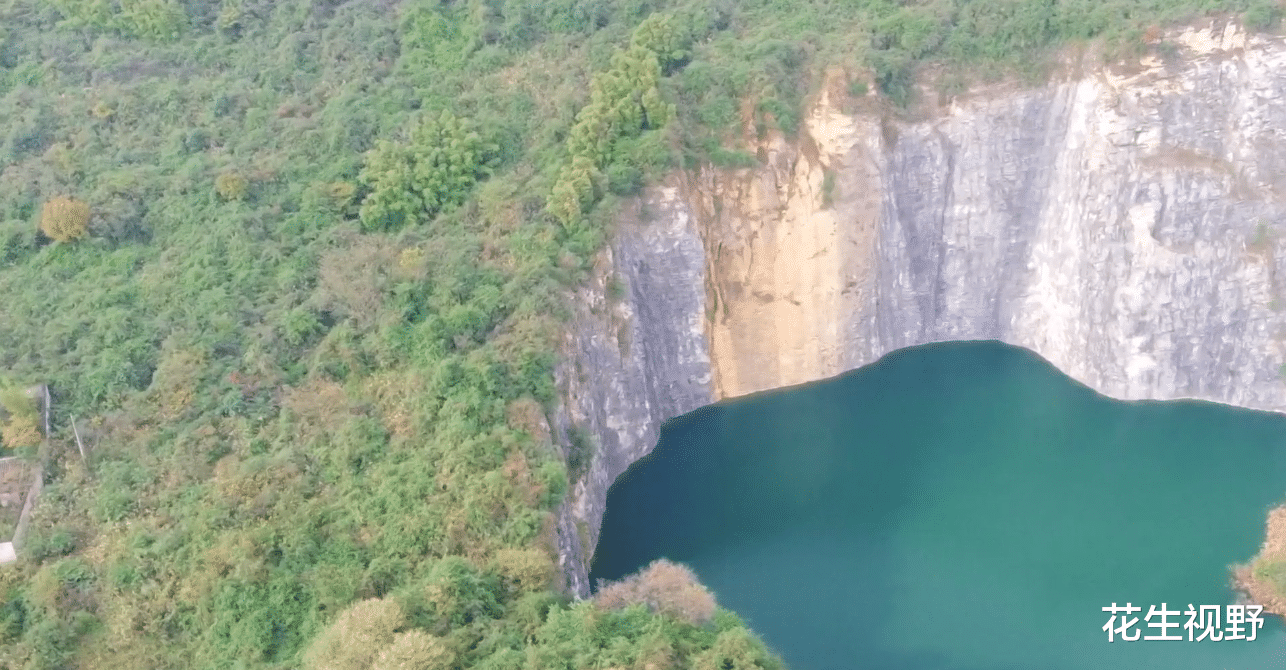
(299, 267)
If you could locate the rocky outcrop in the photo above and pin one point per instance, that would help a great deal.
(635, 356)
(1123, 225)
(1121, 222)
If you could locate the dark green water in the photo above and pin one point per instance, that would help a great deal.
(958, 507)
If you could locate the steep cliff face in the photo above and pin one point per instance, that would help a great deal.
(1121, 225)
(1120, 222)
(635, 356)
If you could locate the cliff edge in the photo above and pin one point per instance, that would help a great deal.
(1122, 222)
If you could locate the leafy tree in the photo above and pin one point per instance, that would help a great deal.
(577, 189)
(1262, 14)
(625, 100)
(64, 219)
(356, 638)
(160, 20)
(415, 650)
(157, 20)
(661, 35)
(432, 171)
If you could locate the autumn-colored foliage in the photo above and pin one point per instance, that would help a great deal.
(665, 588)
(175, 381)
(64, 219)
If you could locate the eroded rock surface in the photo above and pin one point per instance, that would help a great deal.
(1123, 223)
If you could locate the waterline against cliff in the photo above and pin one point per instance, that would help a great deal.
(958, 506)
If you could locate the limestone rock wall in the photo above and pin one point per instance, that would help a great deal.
(1122, 223)
(635, 356)
(1125, 223)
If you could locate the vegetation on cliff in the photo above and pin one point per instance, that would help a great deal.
(306, 297)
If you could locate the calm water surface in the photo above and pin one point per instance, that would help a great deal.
(958, 507)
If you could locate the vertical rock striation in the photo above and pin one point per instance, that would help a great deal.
(635, 356)
(1124, 227)
(1123, 223)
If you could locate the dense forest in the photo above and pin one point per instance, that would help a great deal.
(298, 269)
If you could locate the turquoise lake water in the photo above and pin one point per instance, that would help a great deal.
(959, 507)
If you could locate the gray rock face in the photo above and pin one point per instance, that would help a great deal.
(1126, 227)
(636, 356)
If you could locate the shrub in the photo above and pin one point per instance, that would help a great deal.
(44, 543)
(1262, 15)
(415, 650)
(64, 219)
(458, 593)
(736, 649)
(665, 588)
(231, 186)
(624, 179)
(20, 431)
(61, 543)
(23, 427)
(177, 378)
(159, 20)
(102, 110)
(828, 189)
(524, 570)
(355, 639)
(50, 644)
(580, 452)
(354, 279)
(13, 614)
(62, 587)
(341, 192)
